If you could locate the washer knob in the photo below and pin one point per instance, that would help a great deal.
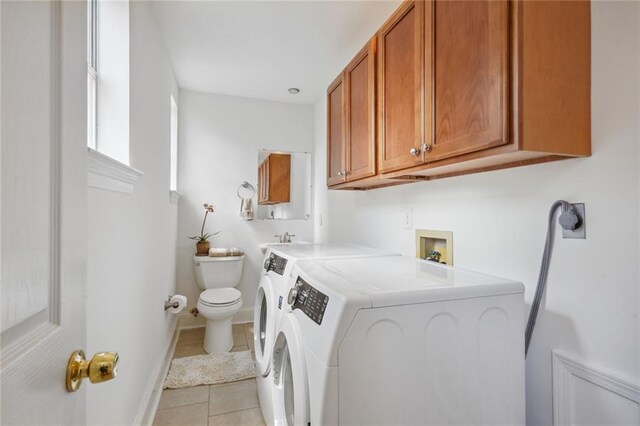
(293, 296)
(269, 261)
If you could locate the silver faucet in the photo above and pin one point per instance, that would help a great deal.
(286, 238)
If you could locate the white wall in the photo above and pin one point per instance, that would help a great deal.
(132, 240)
(499, 218)
(218, 149)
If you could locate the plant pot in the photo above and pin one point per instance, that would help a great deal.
(202, 249)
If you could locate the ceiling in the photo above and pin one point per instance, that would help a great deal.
(259, 49)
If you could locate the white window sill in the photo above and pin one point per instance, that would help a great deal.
(174, 196)
(110, 174)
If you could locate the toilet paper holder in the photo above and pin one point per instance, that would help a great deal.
(168, 304)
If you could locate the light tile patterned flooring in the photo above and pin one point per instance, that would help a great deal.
(228, 404)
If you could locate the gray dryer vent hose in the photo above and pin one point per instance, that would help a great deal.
(568, 220)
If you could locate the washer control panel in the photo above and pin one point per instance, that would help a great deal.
(276, 264)
(309, 300)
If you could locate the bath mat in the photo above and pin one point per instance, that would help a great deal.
(210, 369)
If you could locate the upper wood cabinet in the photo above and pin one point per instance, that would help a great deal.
(466, 76)
(400, 88)
(471, 86)
(351, 151)
(274, 179)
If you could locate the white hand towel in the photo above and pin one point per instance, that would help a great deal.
(246, 209)
(225, 252)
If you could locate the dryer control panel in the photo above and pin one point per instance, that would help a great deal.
(276, 264)
(309, 300)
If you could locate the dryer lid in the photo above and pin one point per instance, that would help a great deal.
(402, 280)
(326, 251)
(220, 296)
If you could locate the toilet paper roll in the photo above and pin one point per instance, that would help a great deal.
(180, 300)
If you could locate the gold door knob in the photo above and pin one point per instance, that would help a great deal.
(102, 367)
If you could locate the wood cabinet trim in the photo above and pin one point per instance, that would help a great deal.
(429, 77)
(515, 88)
(371, 182)
(414, 171)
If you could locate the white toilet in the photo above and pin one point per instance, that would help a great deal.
(219, 301)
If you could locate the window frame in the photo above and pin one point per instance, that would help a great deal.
(92, 74)
(173, 166)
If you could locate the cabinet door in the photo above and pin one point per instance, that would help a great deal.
(359, 80)
(466, 76)
(400, 94)
(336, 147)
(279, 178)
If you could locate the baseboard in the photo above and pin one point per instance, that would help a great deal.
(153, 391)
(244, 315)
(187, 320)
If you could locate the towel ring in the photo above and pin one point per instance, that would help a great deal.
(248, 186)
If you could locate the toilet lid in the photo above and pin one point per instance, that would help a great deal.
(220, 296)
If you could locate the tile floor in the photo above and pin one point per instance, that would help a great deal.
(228, 404)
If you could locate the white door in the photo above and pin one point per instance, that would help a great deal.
(43, 208)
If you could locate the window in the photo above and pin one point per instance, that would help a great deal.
(174, 145)
(108, 96)
(108, 78)
(92, 74)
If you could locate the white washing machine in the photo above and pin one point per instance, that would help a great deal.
(399, 341)
(271, 297)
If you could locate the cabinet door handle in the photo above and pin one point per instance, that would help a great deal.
(414, 151)
(340, 173)
(426, 147)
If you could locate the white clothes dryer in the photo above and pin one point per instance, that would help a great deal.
(270, 298)
(398, 340)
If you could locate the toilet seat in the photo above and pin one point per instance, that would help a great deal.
(219, 297)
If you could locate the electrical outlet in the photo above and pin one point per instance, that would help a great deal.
(581, 231)
(408, 218)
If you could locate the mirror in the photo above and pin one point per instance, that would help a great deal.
(284, 185)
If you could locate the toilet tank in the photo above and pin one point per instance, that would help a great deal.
(217, 272)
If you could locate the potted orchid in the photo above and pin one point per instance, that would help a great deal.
(202, 241)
